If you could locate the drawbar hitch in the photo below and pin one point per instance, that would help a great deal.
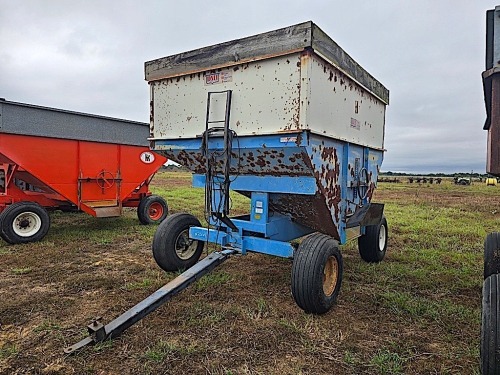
(99, 332)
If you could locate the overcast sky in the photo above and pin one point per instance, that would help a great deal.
(89, 56)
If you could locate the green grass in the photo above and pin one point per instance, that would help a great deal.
(201, 314)
(213, 280)
(47, 326)
(21, 271)
(8, 350)
(162, 350)
(387, 362)
(418, 311)
(144, 283)
(103, 346)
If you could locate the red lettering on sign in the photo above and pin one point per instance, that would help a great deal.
(212, 78)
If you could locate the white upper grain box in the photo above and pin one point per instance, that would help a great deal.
(287, 80)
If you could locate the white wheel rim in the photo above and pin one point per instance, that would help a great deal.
(184, 246)
(382, 237)
(26, 224)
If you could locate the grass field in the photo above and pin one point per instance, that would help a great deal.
(417, 312)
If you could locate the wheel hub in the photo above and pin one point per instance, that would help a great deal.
(24, 223)
(155, 211)
(185, 247)
(27, 224)
(330, 275)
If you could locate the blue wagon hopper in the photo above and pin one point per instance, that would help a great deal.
(290, 120)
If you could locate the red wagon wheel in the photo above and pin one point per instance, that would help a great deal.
(105, 179)
(152, 209)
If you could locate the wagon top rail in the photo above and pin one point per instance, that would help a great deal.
(279, 42)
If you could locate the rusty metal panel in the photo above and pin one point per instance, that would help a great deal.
(325, 46)
(265, 99)
(285, 41)
(306, 113)
(338, 107)
(335, 165)
(301, 91)
(493, 158)
(493, 38)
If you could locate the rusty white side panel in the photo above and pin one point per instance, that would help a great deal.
(294, 92)
(336, 106)
(265, 99)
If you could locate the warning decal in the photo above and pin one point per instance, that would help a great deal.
(147, 157)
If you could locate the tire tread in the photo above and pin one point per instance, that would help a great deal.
(491, 254)
(306, 291)
(8, 215)
(490, 327)
(163, 245)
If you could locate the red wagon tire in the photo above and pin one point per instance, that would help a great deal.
(24, 222)
(152, 209)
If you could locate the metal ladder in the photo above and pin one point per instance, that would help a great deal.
(213, 183)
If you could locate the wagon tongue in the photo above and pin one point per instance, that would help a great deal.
(99, 332)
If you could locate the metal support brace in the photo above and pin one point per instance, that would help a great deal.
(99, 332)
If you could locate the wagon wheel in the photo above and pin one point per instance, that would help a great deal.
(152, 209)
(490, 326)
(317, 273)
(373, 244)
(173, 250)
(105, 179)
(24, 222)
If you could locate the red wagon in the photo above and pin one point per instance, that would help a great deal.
(56, 159)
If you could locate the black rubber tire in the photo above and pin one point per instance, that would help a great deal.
(369, 244)
(152, 210)
(310, 262)
(171, 235)
(21, 215)
(490, 326)
(492, 254)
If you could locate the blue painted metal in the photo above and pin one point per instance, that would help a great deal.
(271, 184)
(242, 243)
(258, 231)
(301, 181)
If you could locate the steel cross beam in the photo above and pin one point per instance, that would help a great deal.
(99, 332)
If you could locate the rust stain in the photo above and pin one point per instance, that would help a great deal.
(310, 211)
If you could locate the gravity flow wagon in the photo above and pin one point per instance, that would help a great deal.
(290, 120)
